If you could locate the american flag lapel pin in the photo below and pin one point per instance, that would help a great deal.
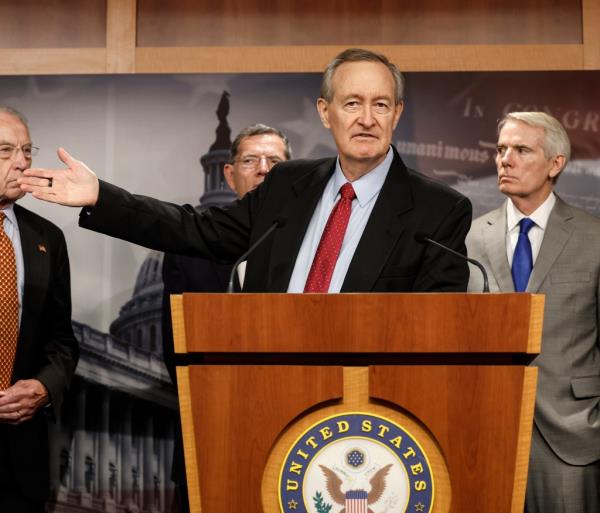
(42, 248)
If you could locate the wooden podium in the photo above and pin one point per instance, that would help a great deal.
(258, 369)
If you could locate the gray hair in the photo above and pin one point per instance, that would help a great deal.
(556, 141)
(360, 55)
(5, 109)
(259, 129)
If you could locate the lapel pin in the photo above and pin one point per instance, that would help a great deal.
(41, 248)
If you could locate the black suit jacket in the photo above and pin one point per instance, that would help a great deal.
(387, 257)
(46, 349)
(185, 274)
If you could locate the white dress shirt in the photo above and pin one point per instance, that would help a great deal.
(241, 272)
(536, 234)
(367, 189)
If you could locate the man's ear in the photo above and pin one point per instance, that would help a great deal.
(228, 174)
(558, 163)
(398, 112)
(322, 107)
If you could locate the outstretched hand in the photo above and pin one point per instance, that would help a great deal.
(75, 186)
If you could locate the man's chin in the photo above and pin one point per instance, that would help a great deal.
(369, 156)
(13, 195)
(9, 198)
(512, 192)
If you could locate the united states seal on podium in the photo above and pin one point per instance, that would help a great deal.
(356, 463)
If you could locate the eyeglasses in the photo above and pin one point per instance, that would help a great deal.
(253, 161)
(8, 150)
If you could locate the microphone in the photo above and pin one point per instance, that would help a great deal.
(278, 223)
(422, 239)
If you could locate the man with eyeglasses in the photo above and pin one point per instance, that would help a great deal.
(254, 151)
(344, 224)
(38, 351)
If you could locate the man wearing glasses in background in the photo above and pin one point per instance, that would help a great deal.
(38, 351)
(255, 150)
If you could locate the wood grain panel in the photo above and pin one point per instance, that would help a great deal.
(55, 61)
(274, 59)
(475, 413)
(120, 36)
(237, 412)
(178, 324)
(229, 36)
(363, 323)
(524, 438)
(52, 23)
(591, 34)
(186, 394)
(355, 22)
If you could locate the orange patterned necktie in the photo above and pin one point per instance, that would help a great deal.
(9, 307)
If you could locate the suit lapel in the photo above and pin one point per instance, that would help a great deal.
(495, 246)
(36, 261)
(307, 192)
(558, 232)
(383, 229)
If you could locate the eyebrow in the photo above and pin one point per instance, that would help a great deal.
(9, 143)
(518, 146)
(362, 97)
(269, 156)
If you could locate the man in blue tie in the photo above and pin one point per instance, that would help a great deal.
(537, 243)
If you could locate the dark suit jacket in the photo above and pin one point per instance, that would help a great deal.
(46, 350)
(387, 258)
(185, 274)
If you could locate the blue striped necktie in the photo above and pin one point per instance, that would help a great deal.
(522, 259)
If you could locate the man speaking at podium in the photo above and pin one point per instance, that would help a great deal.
(344, 224)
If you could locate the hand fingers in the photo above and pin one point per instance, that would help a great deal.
(46, 196)
(16, 417)
(36, 181)
(10, 408)
(39, 172)
(35, 189)
(18, 404)
(66, 157)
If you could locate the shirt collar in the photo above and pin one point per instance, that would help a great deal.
(368, 185)
(9, 211)
(539, 216)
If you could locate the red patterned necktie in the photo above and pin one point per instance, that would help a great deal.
(9, 307)
(328, 251)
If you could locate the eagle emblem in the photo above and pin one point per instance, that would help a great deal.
(355, 462)
(355, 500)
